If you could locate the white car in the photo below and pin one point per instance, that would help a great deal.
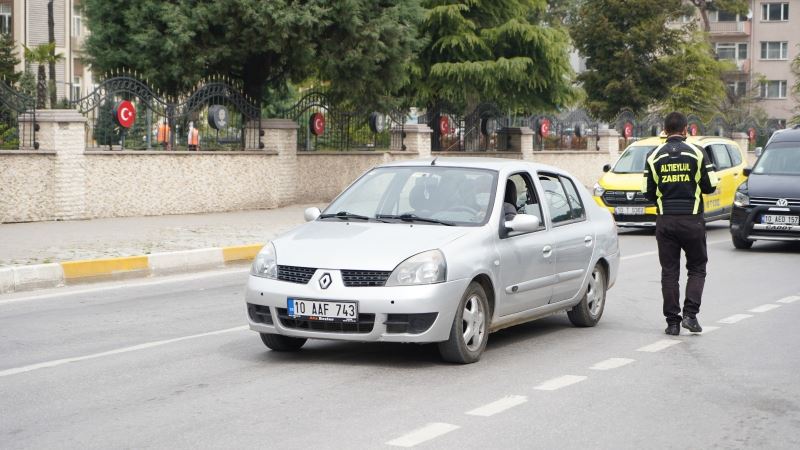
(442, 250)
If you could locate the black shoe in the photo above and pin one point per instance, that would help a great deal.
(691, 324)
(673, 329)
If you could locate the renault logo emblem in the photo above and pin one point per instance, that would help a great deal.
(782, 202)
(325, 281)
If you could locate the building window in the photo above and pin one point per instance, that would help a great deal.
(5, 18)
(731, 50)
(724, 16)
(76, 88)
(737, 88)
(76, 21)
(773, 89)
(774, 50)
(775, 11)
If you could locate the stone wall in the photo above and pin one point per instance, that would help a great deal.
(26, 185)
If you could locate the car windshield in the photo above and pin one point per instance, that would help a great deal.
(780, 158)
(421, 194)
(633, 159)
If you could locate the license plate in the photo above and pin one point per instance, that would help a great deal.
(322, 310)
(629, 210)
(776, 219)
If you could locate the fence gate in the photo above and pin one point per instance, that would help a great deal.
(18, 125)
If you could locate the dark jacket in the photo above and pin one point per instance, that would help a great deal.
(677, 175)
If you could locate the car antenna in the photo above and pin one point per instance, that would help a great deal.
(433, 163)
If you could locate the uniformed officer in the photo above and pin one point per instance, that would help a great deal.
(676, 176)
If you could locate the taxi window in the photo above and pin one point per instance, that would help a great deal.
(722, 160)
(736, 155)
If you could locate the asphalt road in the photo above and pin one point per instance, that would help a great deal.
(168, 363)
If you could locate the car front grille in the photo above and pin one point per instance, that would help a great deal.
(292, 274)
(364, 325)
(772, 201)
(620, 198)
(410, 323)
(364, 278)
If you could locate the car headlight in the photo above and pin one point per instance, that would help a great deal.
(424, 268)
(741, 199)
(266, 263)
(598, 190)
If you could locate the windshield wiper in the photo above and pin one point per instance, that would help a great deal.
(344, 215)
(408, 217)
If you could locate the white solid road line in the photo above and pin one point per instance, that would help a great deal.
(133, 348)
(708, 329)
(560, 382)
(764, 308)
(655, 252)
(658, 345)
(790, 299)
(426, 433)
(498, 406)
(612, 363)
(735, 318)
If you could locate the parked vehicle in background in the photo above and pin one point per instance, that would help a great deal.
(767, 205)
(442, 251)
(619, 189)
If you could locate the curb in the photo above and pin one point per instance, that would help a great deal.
(41, 276)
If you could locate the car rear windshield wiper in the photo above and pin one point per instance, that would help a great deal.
(408, 217)
(346, 216)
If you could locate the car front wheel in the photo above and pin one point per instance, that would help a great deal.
(588, 312)
(740, 243)
(470, 330)
(280, 343)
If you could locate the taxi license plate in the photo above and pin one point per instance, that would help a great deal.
(775, 219)
(322, 310)
(629, 210)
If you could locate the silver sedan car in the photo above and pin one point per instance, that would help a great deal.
(444, 250)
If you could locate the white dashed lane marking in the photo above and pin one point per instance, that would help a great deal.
(735, 318)
(708, 329)
(560, 382)
(790, 299)
(498, 406)
(658, 346)
(612, 363)
(426, 433)
(765, 308)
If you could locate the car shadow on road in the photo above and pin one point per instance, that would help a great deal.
(774, 247)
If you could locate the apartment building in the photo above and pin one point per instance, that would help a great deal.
(763, 45)
(26, 21)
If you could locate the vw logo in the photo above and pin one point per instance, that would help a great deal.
(782, 202)
(325, 281)
(630, 195)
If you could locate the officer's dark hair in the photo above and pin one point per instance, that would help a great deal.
(675, 123)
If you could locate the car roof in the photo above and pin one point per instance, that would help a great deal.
(787, 135)
(498, 164)
(658, 140)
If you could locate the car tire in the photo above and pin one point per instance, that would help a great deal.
(280, 343)
(588, 312)
(470, 329)
(741, 243)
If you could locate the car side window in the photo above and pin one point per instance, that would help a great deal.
(721, 157)
(527, 202)
(736, 155)
(556, 197)
(575, 202)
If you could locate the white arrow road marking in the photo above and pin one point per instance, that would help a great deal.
(790, 299)
(765, 308)
(658, 345)
(735, 318)
(498, 406)
(133, 348)
(426, 433)
(560, 382)
(612, 363)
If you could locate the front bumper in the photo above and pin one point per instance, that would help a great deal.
(378, 304)
(746, 223)
(646, 220)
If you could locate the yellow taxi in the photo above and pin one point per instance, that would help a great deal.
(619, 189)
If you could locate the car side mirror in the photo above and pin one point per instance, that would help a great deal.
(523, 223)
(747, 171)
(311, 214)
(607, 168)
(759, 150)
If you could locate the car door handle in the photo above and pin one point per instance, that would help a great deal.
(547, 251)
(588, 241)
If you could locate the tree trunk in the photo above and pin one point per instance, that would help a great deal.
(41, 88)
(52, 39)
(704, 16)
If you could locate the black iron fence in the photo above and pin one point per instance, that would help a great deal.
(18, 125)
(125, 113)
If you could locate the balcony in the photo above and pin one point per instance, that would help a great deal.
(730, 28)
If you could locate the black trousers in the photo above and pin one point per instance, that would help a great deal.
(673, 234)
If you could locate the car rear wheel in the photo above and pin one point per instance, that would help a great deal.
(588, 312)
(470, 330)
(280, 343)
(740, 243)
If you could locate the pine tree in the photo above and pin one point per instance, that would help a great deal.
(8, 59)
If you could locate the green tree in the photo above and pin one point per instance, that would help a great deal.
(8, 59)
(106, 131)
(359, 47)
(629, 52)
(42, 55)
(796, 88)
(493, 50)
(731, 6)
